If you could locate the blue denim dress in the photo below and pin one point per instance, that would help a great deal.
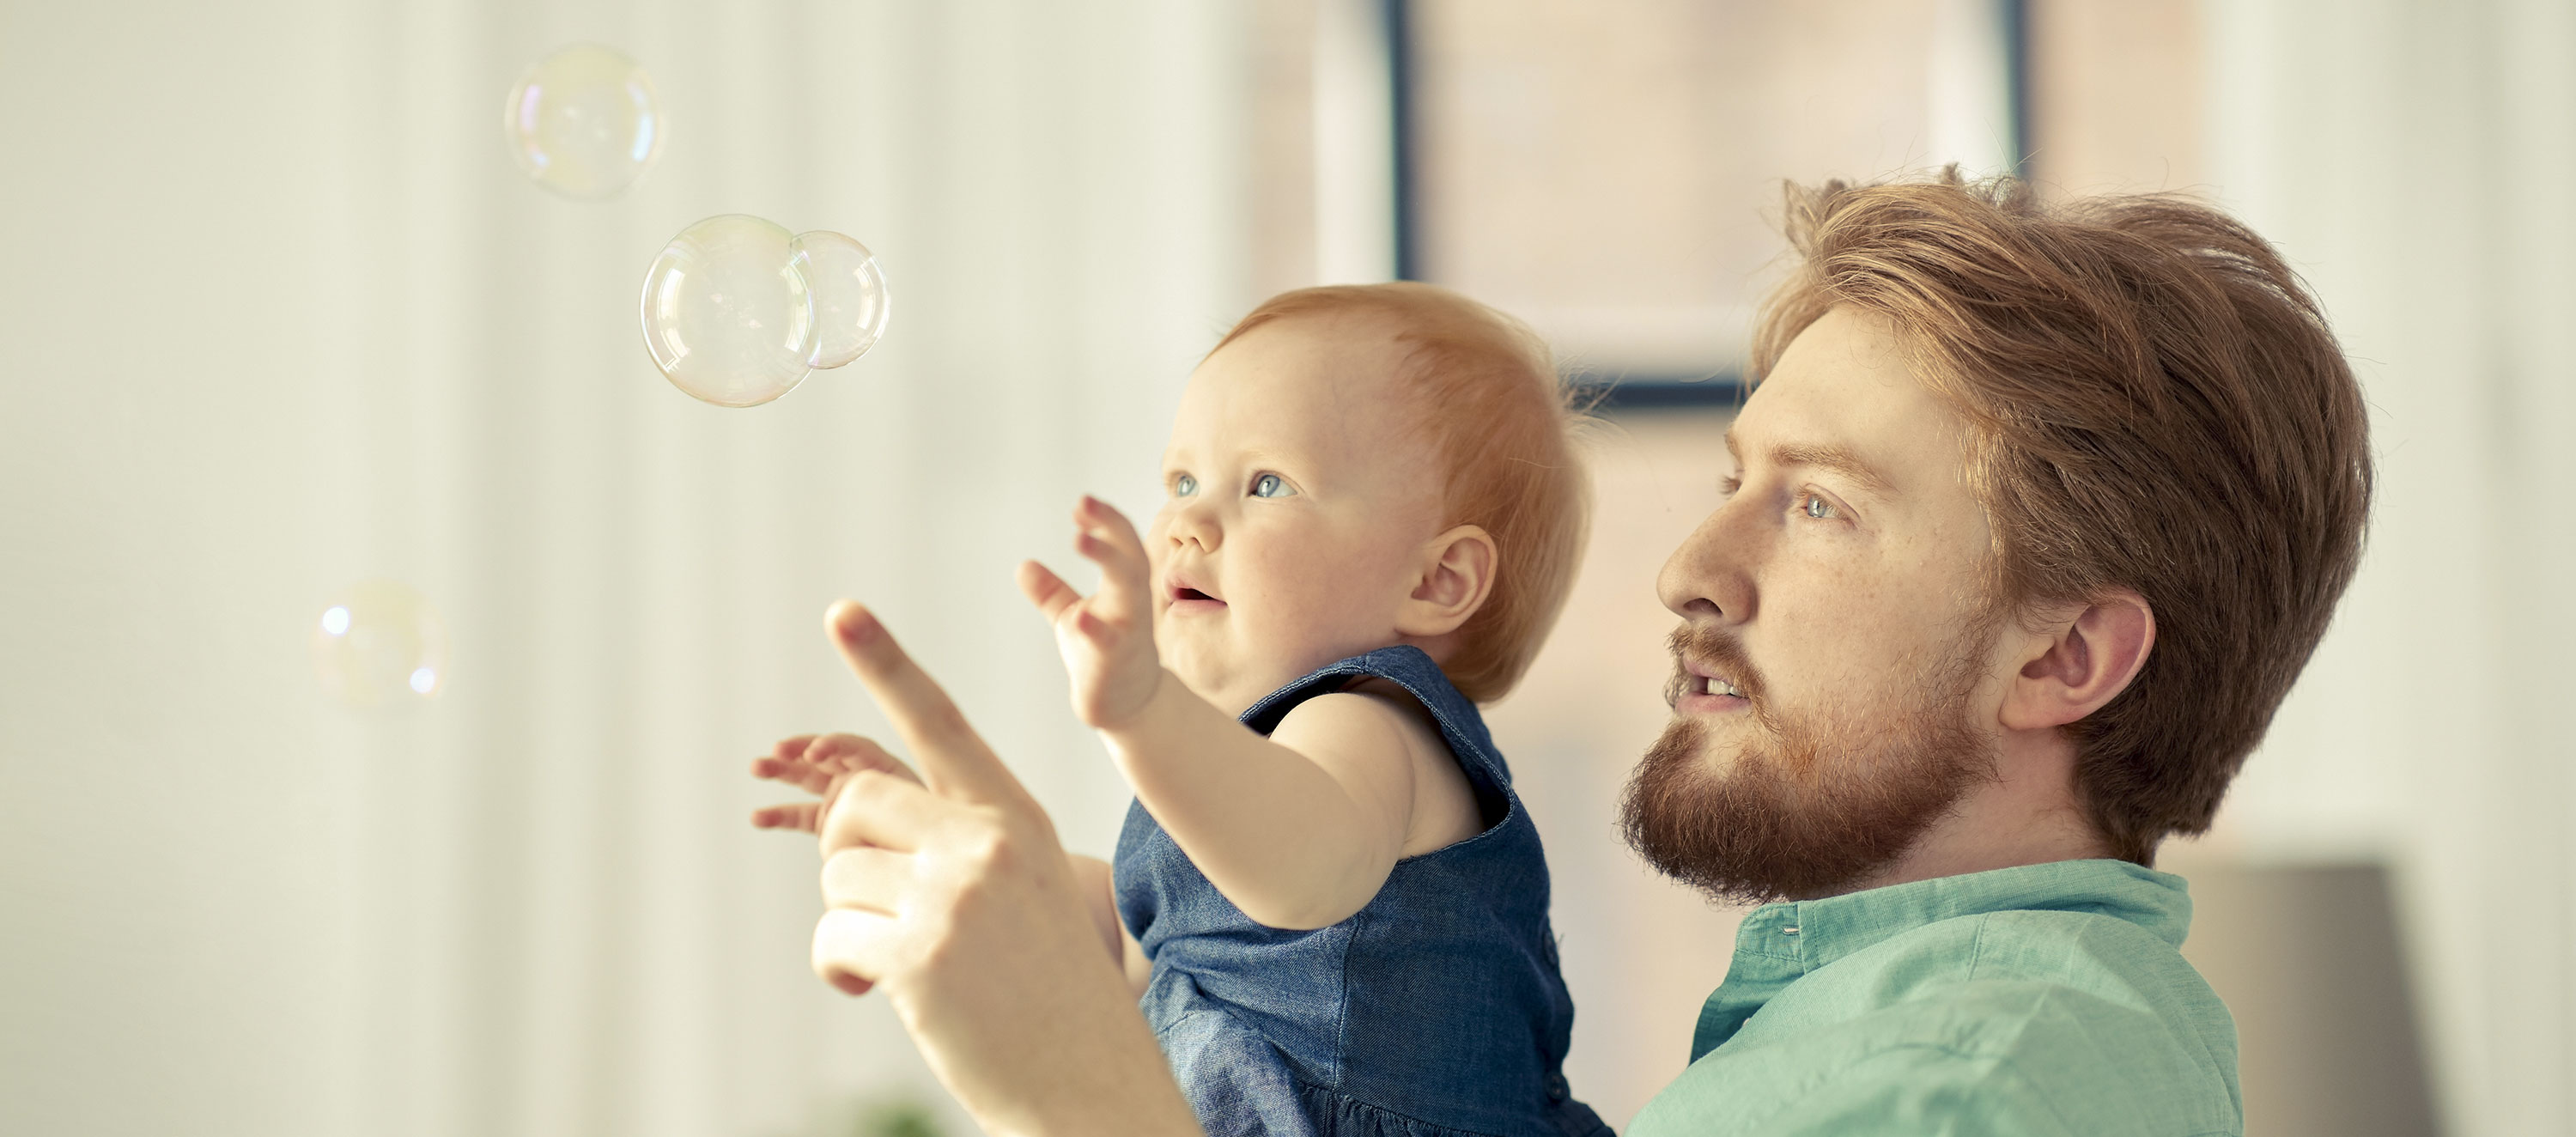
(1435, 1011)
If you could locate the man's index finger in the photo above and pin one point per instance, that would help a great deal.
(954, 761)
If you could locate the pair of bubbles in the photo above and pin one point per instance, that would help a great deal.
(737, 310)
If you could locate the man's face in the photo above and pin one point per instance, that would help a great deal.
(1836, 682)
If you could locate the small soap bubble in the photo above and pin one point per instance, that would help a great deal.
(849, 296)
(727, 314)
(583, 122)
(380, 644)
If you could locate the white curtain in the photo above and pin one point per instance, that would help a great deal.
(282, 315)
(2414, 160)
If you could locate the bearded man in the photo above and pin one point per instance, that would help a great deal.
(2038, 513)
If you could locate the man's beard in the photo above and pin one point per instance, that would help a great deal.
(1811, 804)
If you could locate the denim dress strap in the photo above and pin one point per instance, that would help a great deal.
(1461, 726)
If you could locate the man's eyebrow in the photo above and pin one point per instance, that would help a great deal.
(1823, 456)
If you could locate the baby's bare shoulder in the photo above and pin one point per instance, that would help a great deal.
(1384, 736)
(1375, 713)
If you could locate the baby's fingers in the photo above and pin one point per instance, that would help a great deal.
(803, 775)
(1047, 590)
(804, 816)
(1108, 538)
(845, 754)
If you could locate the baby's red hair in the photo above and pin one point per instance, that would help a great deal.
(1489, 401)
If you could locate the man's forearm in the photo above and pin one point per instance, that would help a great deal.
(1099, 895)
(1107, 1076)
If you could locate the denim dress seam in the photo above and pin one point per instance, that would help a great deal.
(1342, 1001)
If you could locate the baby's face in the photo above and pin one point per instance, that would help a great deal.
(1298, 509)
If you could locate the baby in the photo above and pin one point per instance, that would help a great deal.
(1335, 909)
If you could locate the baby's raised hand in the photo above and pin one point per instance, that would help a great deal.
(1107, 637)
(817, 764)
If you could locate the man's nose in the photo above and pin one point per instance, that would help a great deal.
(1711, 575)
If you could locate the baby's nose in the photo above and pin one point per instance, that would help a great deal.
(1194, 525)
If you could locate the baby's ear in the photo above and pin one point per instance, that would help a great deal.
(1457, 575)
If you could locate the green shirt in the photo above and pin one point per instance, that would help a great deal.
(2043, 999)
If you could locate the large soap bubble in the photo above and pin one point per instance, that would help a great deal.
(380, 644)
(583, 122)
(727, 314)
(849, 296)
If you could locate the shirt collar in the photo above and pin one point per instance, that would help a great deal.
(1837, 926)
(1779, 943)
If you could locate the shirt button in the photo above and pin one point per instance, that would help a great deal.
(1556, 1087)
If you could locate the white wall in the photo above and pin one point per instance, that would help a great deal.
(2414, 160)
(281, 314)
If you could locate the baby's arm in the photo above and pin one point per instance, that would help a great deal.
(1299, 829)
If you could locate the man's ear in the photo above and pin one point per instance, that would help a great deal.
(1457, 575)
(2085, 660)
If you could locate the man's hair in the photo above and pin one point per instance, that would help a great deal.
(1488, 402)
(2154, 403)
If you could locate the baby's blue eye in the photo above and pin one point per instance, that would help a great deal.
(1184, 486)
(1270, 485)
(1818, 508)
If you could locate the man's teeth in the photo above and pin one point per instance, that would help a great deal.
(1714, 686)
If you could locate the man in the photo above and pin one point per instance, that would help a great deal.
(2037, 516)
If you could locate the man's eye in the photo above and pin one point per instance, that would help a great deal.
(1270, 485)
(1818, 508)
(1727, 486)
(1184, 485)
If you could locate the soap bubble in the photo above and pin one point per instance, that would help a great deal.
(849, 296)
(583, 122)
(727, 314)
(380, 644)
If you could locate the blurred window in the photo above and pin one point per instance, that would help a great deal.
(1612, 172)
(2115, 96)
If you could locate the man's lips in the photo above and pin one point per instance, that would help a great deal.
(1701, 688)
(1711, 673)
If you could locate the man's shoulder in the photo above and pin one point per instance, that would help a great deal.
(2017, 1021)
(1997, 982)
